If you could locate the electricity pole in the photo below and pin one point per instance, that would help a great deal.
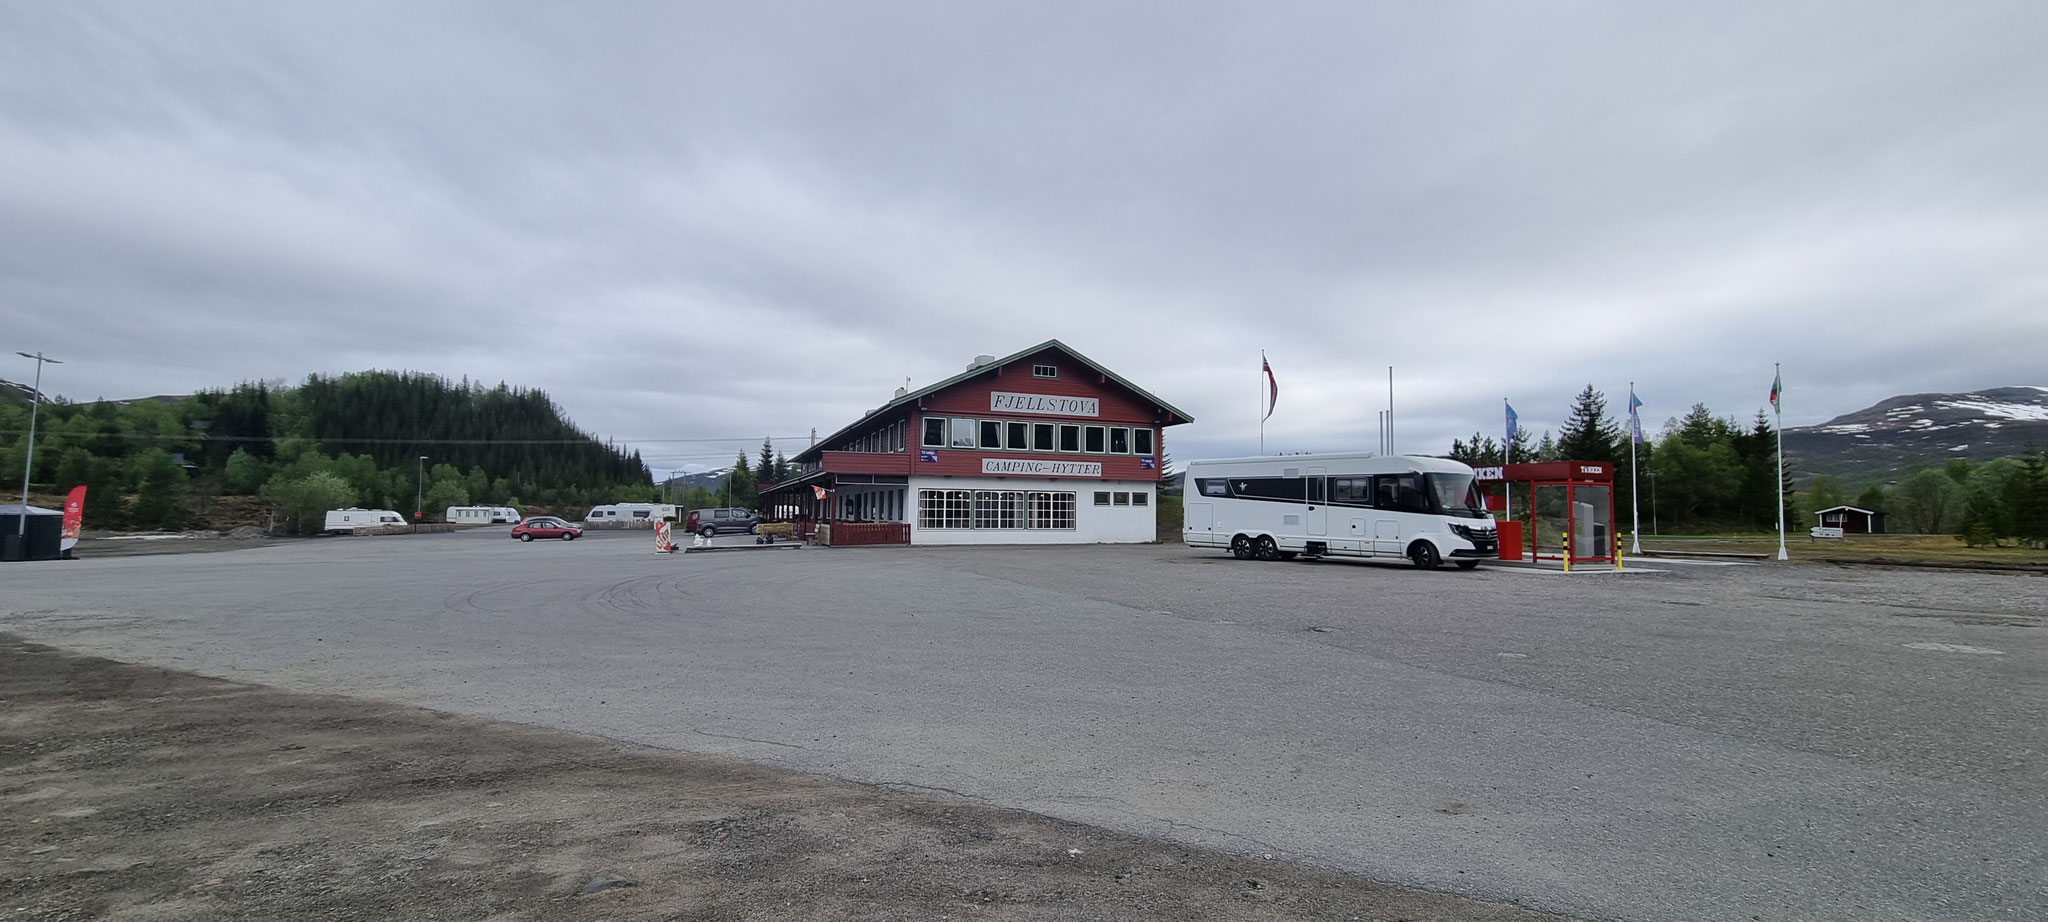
(21, 524)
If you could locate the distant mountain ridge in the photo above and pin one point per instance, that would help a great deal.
(1885, 439)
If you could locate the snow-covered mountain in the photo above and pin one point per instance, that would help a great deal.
(1900, 432)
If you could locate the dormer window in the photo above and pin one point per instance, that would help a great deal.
(1045, 371)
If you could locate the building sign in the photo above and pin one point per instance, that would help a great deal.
(927, 456)
(1488, 473)
(1032, 467)
(1001, 402)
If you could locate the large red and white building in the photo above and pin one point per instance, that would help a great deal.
(1041, 447)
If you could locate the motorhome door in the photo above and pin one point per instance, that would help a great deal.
(1318, 510)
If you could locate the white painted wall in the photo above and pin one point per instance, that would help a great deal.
(1092, 524)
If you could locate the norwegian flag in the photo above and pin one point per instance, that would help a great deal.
(1272, 387)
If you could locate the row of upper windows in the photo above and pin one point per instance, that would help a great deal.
(1012, 435)
(888, 438)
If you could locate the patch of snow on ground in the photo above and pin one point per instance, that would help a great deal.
(2003, 410)
(1847, 427)
(1922, 423)
(1994, 425)
(1960, 447)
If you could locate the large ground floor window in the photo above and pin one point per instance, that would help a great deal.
(994, 509)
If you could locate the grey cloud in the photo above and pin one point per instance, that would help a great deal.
(1502, 200)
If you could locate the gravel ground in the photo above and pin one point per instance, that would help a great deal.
(131, 792)
(1676, 742)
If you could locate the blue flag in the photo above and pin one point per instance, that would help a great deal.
(1635, 419)
(1512, 420)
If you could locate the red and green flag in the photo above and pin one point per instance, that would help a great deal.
(1777, 387)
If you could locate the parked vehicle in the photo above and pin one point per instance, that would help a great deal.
(353, 520)
(546, 526)
(481, 515)
(709, 522)
(619, 512)
(1339, 505)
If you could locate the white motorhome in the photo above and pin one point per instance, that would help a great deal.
(628, 512)
(1279, 507)
(354, 520)
(482, 515)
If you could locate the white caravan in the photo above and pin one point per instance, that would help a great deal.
(353, 520)
(627, 512)
(482, 515)
(1280, 507)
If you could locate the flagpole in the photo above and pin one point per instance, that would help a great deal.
(1779, 488)
(1635, 503)
(1507, 457)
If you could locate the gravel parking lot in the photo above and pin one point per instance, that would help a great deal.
(1676, 742)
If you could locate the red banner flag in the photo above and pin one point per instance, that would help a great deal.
(818, 490)
(74, 517)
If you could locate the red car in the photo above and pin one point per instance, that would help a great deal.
(542, 526)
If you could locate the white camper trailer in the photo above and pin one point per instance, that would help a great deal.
(350, 521)
(482, 515)
(1280, 507)
(630, 512)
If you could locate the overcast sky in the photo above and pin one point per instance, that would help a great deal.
(748, 219)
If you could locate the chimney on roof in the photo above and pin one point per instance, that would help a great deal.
(980, 360)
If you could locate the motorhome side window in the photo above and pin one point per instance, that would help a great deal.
(1351, 491)
(1268, 487)
(1400, 492)
(1212, 487)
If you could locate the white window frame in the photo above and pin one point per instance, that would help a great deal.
(981, 435)
(1052, 429)
(1152, 442)
(955, 439)
(925, 432)
(1061, 444)
(1012, 440)
(945, 509)
(1110, 445)
(1102, 497)
(1104, 431)
(1045, 371)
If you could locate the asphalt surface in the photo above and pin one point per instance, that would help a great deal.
(1679, 742)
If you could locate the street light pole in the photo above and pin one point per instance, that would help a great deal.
(28, 463)
(419, 496)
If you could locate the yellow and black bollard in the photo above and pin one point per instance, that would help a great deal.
(1567, 552)
(1617, 552)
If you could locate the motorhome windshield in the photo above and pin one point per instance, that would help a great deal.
(1456, 495)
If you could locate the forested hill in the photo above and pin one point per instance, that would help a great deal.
(353, 439)
(395, 417)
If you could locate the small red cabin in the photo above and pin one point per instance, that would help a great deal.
(1851, 520)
